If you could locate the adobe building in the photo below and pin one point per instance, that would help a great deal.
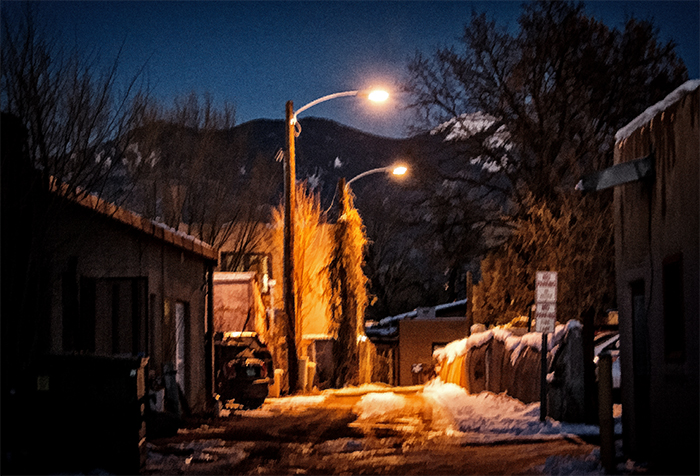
(657, 264)
(407, 341)
(126, 285)
(100, 305)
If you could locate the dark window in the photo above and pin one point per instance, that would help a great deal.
(86, 338)
(113, 316)
(261, 263)
(78, 311)
(674, 321)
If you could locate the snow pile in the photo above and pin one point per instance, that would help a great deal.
(487, 417)
(382, 406)
(572, 465)
(298, 402)
(360, 390)
(652, 111)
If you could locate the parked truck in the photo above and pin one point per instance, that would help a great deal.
(244, 368)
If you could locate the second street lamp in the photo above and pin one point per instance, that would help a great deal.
(396, 170)
(289, 209)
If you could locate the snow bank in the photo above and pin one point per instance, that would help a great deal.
(294, 402)
(381, 406)
(652, 111)
(487, 417)
(360, 390)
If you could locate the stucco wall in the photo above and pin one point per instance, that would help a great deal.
(416, 339)
(655, 220)
(108, 249)
(314, 308)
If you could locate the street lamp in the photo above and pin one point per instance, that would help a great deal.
(289, 205)
(343, 186)
(396, 170)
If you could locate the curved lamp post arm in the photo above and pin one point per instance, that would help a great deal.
(323, 99)
(372, 171)
(396, 170)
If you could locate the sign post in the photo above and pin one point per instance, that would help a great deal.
(546, 318)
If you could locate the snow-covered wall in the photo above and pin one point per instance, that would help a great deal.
(500, 361)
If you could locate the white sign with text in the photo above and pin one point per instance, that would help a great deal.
(546, 301)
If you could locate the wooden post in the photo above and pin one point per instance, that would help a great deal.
(470, 303)
(543, 379)
(605, 412)
(289, 210)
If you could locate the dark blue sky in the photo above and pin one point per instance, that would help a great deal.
(258, 55)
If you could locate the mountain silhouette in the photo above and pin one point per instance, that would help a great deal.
(327, 151)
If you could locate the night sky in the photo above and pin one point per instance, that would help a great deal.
(258, 55)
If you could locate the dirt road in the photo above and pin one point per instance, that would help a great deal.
(326, 437)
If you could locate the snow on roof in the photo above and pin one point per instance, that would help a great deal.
(477, 340)
(134, 220)
(414, 313)
(652, 111)
(381, 331)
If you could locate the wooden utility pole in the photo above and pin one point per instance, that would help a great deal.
(470, 303)
(289, 211)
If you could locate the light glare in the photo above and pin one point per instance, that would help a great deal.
(378, 95)
(400, 170)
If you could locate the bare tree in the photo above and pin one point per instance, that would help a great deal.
(70, 121)
(536, 110)
(77, 122)
(547, 100)
(311, 254)
(193, 173)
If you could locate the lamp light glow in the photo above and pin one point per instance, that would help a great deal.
(378, 95)
(400, 170)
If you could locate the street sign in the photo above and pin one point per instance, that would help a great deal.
(546, 319)
(546, 301)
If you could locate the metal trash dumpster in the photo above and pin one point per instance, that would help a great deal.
(90, 412)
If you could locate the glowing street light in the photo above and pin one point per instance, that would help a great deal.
(291, 132)
(396, 170)
(375, 95)
(343, 186)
